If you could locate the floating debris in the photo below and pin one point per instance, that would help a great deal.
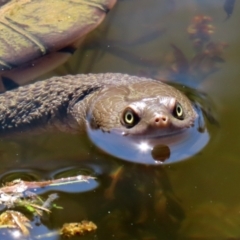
(19, 186)
(78, 229)
(18, 193)
(15, 219)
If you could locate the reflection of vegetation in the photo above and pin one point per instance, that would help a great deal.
(208, 54)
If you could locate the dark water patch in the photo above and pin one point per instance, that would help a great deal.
(23, 174)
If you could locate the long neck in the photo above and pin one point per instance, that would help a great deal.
(44, 105)
(51, 104)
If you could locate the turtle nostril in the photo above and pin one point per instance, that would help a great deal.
(157, 119)
(161, 120)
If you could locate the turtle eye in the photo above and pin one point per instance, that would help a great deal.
(130, 118)
(178, 111)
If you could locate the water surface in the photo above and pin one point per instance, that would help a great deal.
(196, 198)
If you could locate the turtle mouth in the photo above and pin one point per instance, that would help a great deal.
(155, 135)
(150, 149)
(151, 133)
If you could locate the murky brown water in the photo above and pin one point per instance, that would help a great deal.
(194, 199)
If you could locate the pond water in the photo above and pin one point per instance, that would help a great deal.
(193, 199)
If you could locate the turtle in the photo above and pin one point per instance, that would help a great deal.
(38, 35)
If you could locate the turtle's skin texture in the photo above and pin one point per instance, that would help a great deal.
(110, 101)
(30, 29)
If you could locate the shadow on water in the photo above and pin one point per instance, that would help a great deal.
(197, 198)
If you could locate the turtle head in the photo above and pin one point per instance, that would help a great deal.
(144, 108)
